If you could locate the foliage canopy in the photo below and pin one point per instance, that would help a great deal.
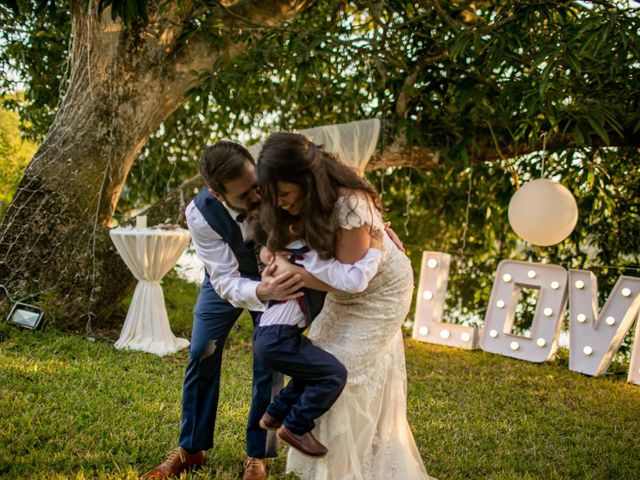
(481, 83)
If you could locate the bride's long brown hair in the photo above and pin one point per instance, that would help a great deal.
(293, 158)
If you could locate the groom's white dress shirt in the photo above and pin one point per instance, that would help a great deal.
(221, 263)
(350, 278)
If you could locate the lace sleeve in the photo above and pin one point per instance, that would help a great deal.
(354, 211)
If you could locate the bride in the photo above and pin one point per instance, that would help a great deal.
(366, 431)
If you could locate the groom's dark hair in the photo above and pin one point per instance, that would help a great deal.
(223, 162)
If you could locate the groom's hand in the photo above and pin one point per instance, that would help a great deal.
(394, 238)
(281, 287)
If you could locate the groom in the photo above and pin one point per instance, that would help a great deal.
(231, 284)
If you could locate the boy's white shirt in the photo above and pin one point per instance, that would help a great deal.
(349, 278)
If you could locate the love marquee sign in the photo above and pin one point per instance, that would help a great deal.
(594, 337)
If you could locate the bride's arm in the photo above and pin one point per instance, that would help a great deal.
(352, 244)
(351, 275)
(309, 280)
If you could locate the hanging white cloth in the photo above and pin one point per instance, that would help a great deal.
(353, 143)
(149, 253)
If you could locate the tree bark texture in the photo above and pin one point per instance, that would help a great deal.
(123, 82)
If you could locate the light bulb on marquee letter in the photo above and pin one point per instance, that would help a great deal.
(601, 334)
(547, 319)
(428, 325)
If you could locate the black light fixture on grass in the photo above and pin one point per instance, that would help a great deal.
(26, 316)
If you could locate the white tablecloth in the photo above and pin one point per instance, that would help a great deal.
(149, 253)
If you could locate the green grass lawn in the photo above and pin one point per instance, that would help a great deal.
(74, 407)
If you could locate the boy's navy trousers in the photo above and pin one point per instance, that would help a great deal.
(317, 377)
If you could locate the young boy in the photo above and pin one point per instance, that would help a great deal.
(317, 377)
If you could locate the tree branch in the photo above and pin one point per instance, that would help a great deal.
(198, 53)
(171, 208)
(399, 155)
(444, 16)
(405, 95)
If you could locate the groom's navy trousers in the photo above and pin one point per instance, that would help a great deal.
(214, 318)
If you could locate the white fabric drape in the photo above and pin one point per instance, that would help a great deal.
(150, 254)
(353, 143)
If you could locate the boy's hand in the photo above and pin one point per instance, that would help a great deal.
(265, 255)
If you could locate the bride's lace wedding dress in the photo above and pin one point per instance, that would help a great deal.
(366, 430)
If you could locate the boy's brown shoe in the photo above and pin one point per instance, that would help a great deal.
(267, 422)
(306, 443)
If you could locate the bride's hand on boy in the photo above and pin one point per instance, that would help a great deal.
(282, 264)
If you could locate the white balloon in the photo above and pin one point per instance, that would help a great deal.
(543, 212)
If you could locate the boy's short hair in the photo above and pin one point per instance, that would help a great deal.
(256, 230)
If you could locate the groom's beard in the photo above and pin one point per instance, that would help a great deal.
(244, 209)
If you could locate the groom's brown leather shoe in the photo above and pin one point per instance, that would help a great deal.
(306, 443)
(255, 469)
(177, 461)
(270, 423)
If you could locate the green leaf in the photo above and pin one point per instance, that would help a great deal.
(611, 119)
(599, 129)
(547, 71)
(587, 44)
(13, 5)
(577, 135)
(458, 46)
(573, 62)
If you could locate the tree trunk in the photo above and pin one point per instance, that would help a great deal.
(124, 81)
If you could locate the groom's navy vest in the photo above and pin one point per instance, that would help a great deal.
(219, 219)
